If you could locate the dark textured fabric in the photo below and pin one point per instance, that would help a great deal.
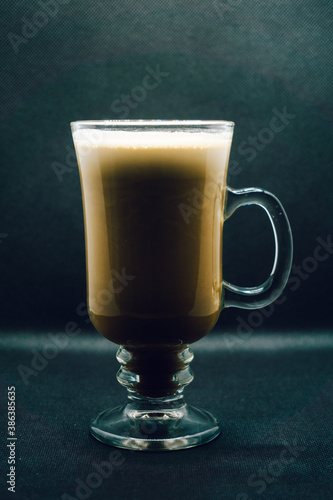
(221, 59)
(65, 60)
(272, 394)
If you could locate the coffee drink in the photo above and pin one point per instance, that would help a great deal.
(153, 219)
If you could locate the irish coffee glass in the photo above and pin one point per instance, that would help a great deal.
(155, 200)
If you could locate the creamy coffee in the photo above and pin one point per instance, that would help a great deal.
(153, 207)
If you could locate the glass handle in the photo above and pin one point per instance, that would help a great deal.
(262, 295)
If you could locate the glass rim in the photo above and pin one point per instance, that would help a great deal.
(223, 124)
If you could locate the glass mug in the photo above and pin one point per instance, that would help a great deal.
(155, 199)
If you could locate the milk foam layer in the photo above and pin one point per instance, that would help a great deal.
(97, 138)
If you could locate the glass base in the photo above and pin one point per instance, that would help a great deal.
(148, 424)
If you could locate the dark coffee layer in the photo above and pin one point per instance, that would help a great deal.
(155, 331)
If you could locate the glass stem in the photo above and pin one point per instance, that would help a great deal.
(155, 372)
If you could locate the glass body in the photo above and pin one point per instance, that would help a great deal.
(155, 199)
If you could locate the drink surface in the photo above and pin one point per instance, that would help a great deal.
(153, 206)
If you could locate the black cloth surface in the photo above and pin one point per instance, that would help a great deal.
(272, 394)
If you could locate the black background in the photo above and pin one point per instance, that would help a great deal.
(226, 59)
(231, 60)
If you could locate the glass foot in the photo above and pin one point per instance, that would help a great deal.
(162, 424)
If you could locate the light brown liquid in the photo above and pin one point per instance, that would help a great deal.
(153, 219)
